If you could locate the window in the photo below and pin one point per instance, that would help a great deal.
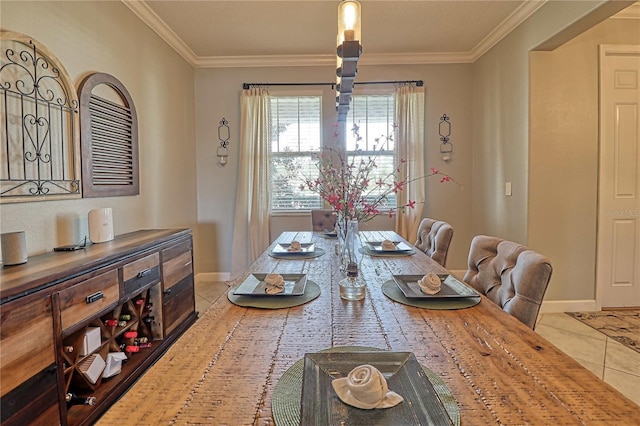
(296, 134)
(374, 116)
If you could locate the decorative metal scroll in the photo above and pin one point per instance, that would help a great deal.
(39, 153)
(444, 129)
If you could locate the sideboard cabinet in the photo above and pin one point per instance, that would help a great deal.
(78, 328)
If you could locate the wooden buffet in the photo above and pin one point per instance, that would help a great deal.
(226, 368)
(133, 295)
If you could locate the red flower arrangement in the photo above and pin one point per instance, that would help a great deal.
(354, 189)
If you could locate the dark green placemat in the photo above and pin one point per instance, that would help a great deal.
(391, 290)
(311, 291)
(285, 404)
(316, 253)
(375, 253)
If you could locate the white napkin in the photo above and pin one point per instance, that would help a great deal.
(430, 283)
(365, 387)
(294, 246)
(388, 245)
(274, 283)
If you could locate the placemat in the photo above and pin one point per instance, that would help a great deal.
(316, 253)
(285, 404)
(311, 291)
(369, 252)
(391, 290)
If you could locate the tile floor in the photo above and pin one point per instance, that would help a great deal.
(609, 360)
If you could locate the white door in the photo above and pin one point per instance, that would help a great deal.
(618, 265)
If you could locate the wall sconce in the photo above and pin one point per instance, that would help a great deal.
(444, 129)
(224, 135)
(348, 52)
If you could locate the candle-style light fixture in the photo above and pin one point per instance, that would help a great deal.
(224, 135)
(348, 52)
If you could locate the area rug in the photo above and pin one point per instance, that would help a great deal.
(622, 326)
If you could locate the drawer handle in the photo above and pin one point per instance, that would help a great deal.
(167, 292)
(94, 297)
(144, 272)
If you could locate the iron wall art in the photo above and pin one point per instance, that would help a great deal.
(444, 129)
(39, 134)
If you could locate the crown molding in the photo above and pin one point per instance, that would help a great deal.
(330, 60)
(509, 24)
(149, 17)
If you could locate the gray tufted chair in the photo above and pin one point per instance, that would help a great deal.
(323, 220)
(509, 274)
(434, 237)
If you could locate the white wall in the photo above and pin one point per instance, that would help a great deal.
(563, 161)
(107, 37)
(502, 149)
(448, 90)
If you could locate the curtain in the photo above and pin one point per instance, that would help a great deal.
(409, 116)
(251, 232)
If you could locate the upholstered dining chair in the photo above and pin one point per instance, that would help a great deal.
(509, 274)
(323, 220)
(434, 237)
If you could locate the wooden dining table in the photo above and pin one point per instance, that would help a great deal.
(227, 367)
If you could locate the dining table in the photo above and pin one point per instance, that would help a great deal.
(248, 359)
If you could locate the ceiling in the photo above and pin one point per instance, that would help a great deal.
(228, 33)
(212, 33)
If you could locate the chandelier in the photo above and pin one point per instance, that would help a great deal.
(348, 52)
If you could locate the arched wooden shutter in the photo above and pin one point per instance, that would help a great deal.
(108, 138)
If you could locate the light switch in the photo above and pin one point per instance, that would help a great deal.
(507, 189)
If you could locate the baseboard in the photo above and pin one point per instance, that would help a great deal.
(551, 306)
(213, 276)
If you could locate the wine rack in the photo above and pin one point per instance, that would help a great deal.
(120, 308)
(129, 329)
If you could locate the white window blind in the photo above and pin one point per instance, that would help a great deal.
(296, 132)
(374, 116)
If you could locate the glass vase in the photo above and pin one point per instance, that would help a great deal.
(348, 247)
(352, 287)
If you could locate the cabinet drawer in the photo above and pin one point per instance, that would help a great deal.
(35, 402)
(177, 269)
(27, 341)
(179, 303)
(84, 300)
(140, 273)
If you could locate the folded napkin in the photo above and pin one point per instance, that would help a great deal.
(388, 245)
(430, 283)
(365, 387)
(294, 246)
(274, 283)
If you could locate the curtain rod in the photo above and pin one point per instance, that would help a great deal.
(418, 83)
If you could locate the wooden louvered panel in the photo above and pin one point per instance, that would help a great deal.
(109, 140)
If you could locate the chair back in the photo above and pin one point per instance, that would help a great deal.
(434, 238)
(509, 274)
(323, 219)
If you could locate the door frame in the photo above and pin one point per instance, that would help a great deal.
(603, 50)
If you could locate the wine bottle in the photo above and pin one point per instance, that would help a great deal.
(111, 322)
(73, 399)
(144, 345)
(68, 349)
(125, 317)
(130, 334)
(131, 348)
(149, 319)
(122, 323)
(141, 339)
